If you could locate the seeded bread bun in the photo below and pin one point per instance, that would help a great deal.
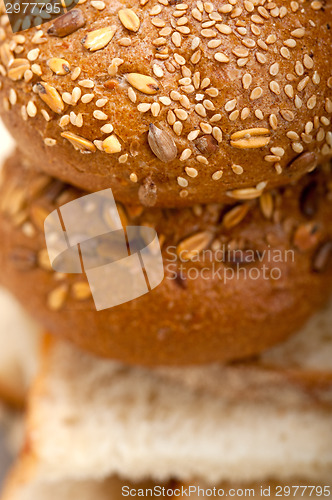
(170, 103)
(277, 249)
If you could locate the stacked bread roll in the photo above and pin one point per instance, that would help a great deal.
(211, 124)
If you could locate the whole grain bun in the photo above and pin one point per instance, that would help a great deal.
(277, 248)
(172, 103)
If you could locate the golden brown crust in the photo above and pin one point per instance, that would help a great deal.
(255, 68)
(289, 231)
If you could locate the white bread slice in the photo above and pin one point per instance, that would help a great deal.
(91, 418)
(20, 340)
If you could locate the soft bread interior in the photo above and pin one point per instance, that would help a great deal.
(20, 339)
(91, 418)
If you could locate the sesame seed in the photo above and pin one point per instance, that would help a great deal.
(230, 105)
(285, 53)
(202, 159)
(298, 33)
(274, 87)
(100, 103)
(99, 115)
(287, 115)
(297, 147)
(123, 158)
(144, 107)
(237, 169)
(86, 98)
(76, 73)
(256, 93)
(191, 172)
(274, 69)
(277, 151)
(273, 120)
(259, 114)
(261, 58)
(193, 135)
(107, 128)
(158, 71)
(132, 95)
(289, 91)
(182, 182)
(215, 118)
(155, 109)
(217, 175)
(186, 154)
(220, 57)
(33, 54)
(291, 43)
(246, 81)
(206, 128)
(303, 83)
(89, 84)
(67, 98)
(308, 62)
(76, 95)
(298, 102)
(45, 115)
(293, 136)
(12, 97)
(316, 78)
(200, 110)
(312, 101)
(245, 113)
(98, 5)
(178, 127)
(31, 109)
(64, 121)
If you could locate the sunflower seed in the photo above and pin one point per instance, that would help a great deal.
(306, 162)
(67, 24)
(162, 144)
(207, 145)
